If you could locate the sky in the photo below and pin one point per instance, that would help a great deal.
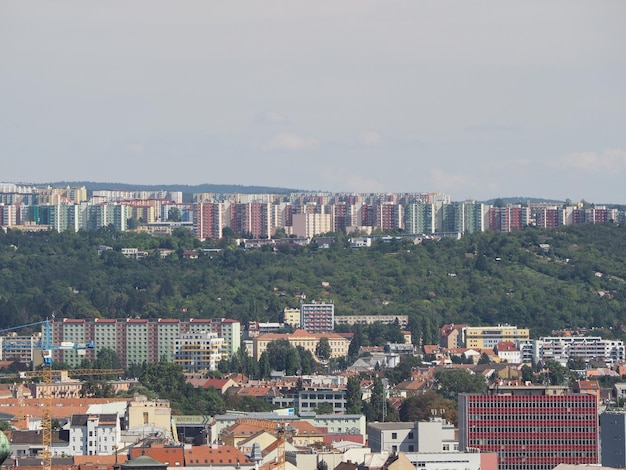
(477, 99)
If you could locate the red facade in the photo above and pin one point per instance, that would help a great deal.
(531, 432)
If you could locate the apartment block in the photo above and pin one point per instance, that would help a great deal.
(199, 352)
(136, 341)
(488, 337)
(562, 348)
(317, 317)
(401, 320)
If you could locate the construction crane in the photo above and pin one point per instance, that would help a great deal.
(271, 426)
(46, 373)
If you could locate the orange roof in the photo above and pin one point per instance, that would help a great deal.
(221, 455)
(173, 456)
(304, 427)
(108, 460)
(298, 334)
(63, 407)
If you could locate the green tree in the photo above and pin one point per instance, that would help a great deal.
(451, 382)
(325, 408)
(354, 397)
(323, 349)
(174, 214)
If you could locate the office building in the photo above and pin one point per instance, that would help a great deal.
(531, 427)
(488, 337)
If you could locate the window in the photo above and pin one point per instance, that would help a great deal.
(411, 448)
(394, 435)
(410, 435)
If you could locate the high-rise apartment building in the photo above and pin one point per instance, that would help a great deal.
(531, 427)
(317, 317)
(208, 220)
(136, 341)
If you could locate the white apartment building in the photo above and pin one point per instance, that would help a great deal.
(94, 434)
(199, 352)
(562, 348)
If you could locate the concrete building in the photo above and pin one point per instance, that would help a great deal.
(199, 352)
(136, 341)
(402, 320)
(488, 337)
(94, 434)
(339, 345)
(562, 348)
(317, 317)
(531, 427)
(424, 437)
(613, 438)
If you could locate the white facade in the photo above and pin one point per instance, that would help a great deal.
(199, 352)
(94, 434)
(434, 436)
(561, 349)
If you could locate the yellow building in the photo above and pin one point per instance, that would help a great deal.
(143, 412)
(291, 316)
(338, 344)
(488, 337)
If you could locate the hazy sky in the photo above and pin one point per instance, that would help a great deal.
(478, 99)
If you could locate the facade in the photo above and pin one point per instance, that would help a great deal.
(199, 352)
(339, 345)
(136, 341)
(23, 349)
(208, 220)
(317, 317)
(420, 436)
(309, 225)
(613, 438)
(531, 428)
(309, 400)
(562, 348)
(94, 434)
(488, 337)
(291, 316)
(402, 320)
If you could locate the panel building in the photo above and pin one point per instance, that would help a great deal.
(317, 317)
(531, 427)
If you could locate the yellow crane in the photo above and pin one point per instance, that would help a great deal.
(46, 374)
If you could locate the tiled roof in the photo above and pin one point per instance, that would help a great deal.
(173, 456)
(221, 455)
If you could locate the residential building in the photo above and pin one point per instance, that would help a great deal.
(94, 434)
(317, 317)
(488, 337)
(420, 436)
(310, 399)
(562, 348)
(291, 316)
(310, 224)
(199, 352)
(401, 320)
(208, 220)
(338, 344)
(136, 341)
(531, 427)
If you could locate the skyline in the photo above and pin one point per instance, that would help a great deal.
(479, 101)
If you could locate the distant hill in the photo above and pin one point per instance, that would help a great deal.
(185, 188)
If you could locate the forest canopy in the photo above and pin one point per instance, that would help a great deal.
(570, 277)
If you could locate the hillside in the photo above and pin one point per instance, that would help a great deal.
(487, 278)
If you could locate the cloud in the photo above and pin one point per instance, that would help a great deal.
(136, 148)
(449, 182)
(491, 128)
(609, 160)
(271, 117)
(286, 141)
(370, 138)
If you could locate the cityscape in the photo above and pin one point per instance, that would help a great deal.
(277, 235)
(267, 216)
